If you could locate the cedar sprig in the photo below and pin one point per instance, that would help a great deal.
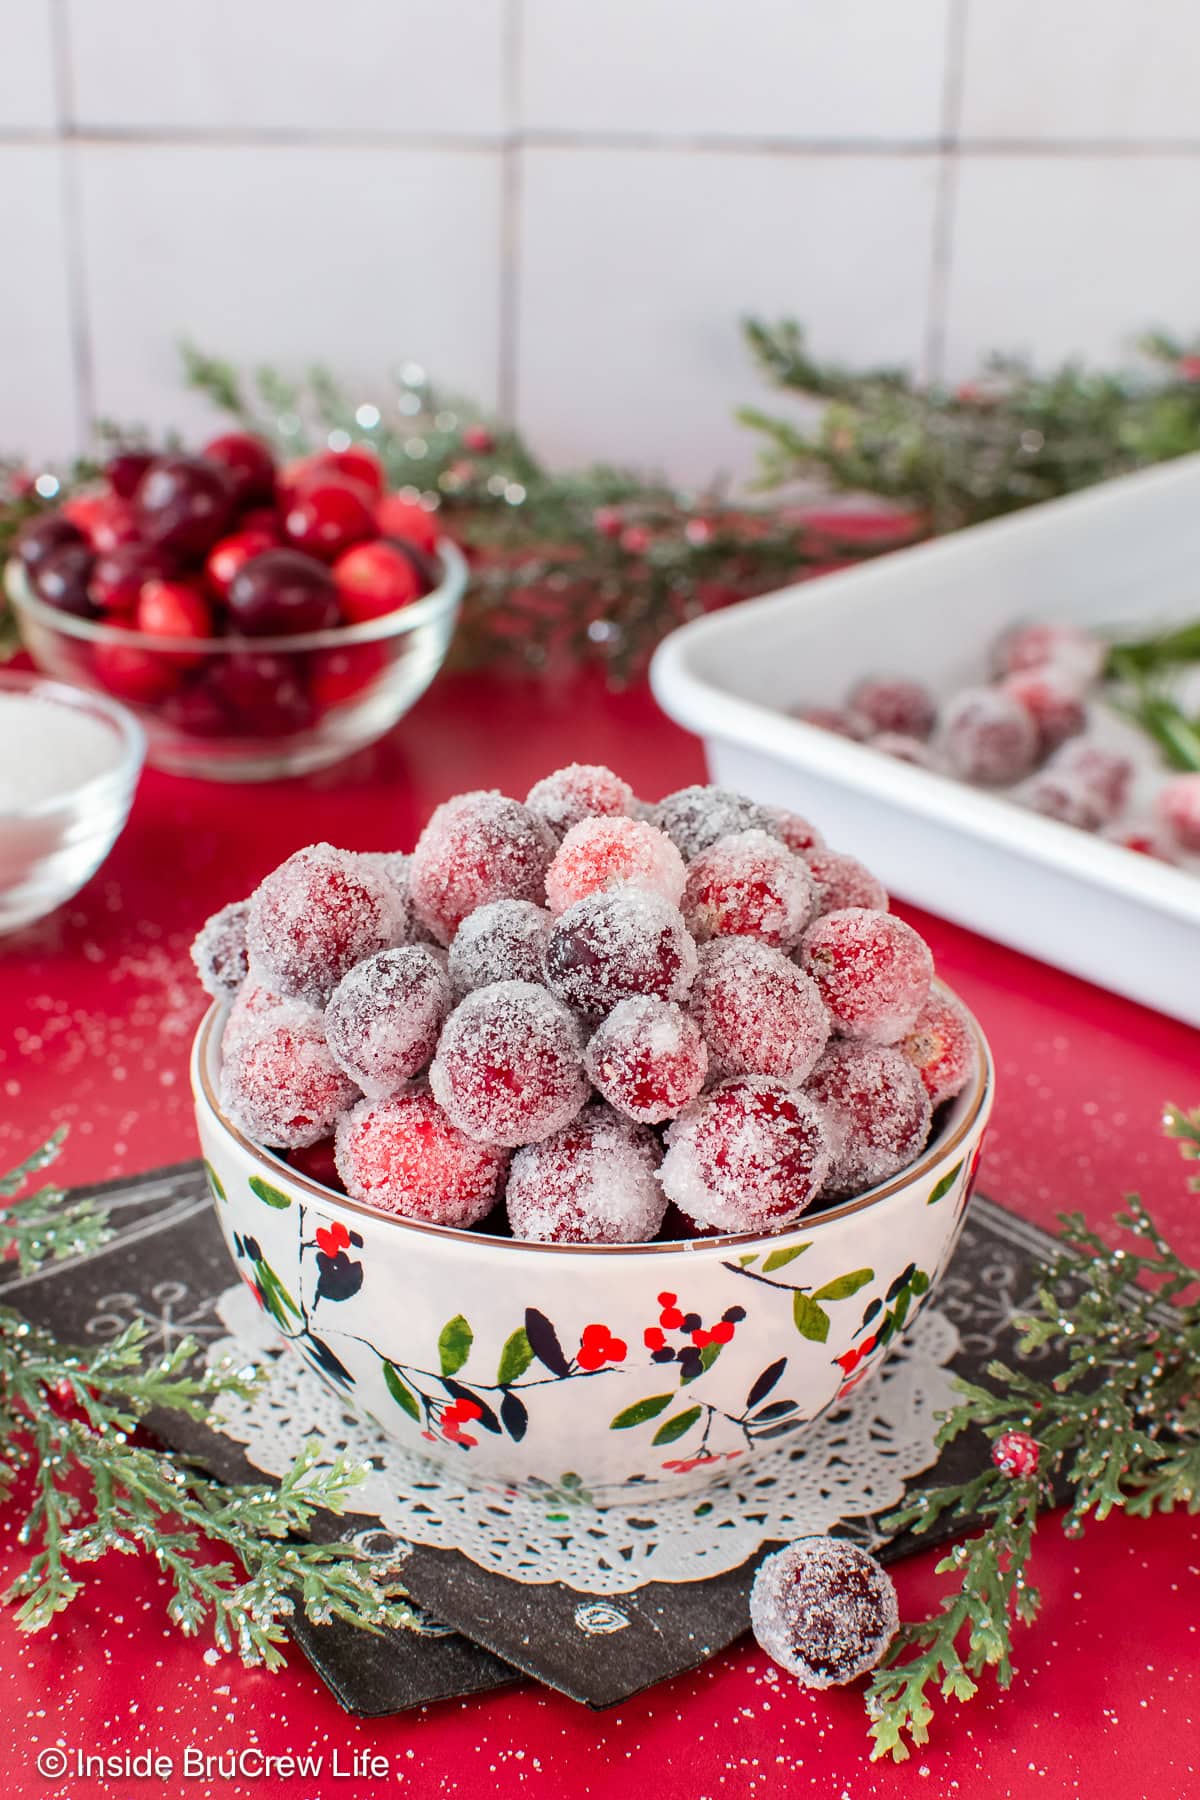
(1118, 1426)
(234, 1553)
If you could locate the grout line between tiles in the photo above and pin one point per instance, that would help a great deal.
(942, 248)
(75, 273)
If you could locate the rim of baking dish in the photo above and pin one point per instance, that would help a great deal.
(977, 1106)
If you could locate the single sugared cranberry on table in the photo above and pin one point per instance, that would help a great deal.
(843, 881)
(503, 941)
(104, 520)
(279, 1083)
(384, 1016)
(893, 703)
(129, 672)
(183, 504)
(1057, 794)
(229, 554)
(760, 1013)
(592, 1182)
(248, 466)
(124, 471)
(174, 609)
(477, 847)
(327, 518)
(796, 832)
(405, 1156)
(751, 1155)
(41, 537)
(62, 578)
(265, 695)
(335, 676)
(988, 737)
(879, 1110)
(695, 817)
(1053, 698)
(1067, 647)
(749, 885)
(941, 1047)
(1178, 806)
(611, 945)
(219, 951)
(1109, 773)
(118, 575)
(608, 852)
(508, 1068)
(579, 791)
(824, 1609)
(873, 972)
(399, 518)
(315, 916)
(374, 579)
(648, 1058)
(280, 593)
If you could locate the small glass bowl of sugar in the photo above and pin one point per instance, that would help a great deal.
(69, 764)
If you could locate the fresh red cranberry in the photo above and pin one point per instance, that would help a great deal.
(174, 609)
(374, 579)
(62, 579)
(143, 676)
(41, 537)
(118, 575)
(336, 676)
(248, 467)
(183, 505)
(266, 694)
(227, 557)
(199, 710)
(124, 470)
(104, 520)
(397, 518)
(328, 517)
(281, 592)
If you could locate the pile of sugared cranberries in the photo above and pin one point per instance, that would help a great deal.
(1026, 731)
(586, 1010)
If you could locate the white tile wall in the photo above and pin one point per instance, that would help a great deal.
(833, 69)
(565, 205)
(635, 269)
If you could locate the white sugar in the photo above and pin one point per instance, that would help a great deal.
(48, 749)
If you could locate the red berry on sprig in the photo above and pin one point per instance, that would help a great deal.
(1016, 1453)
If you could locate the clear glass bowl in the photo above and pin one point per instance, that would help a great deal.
(252, 709)
(49, 848)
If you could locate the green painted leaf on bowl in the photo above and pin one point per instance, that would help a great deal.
(515, 1357)
(845, 1285)
(401, 1393)
(812, 1321)
(272, 1196)
(944, 1185)
(779, 1259)
(454, 1344)
(675, 1427)
(640, 1411)
(214, 1182)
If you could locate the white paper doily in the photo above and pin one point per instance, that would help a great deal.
(848, 1465)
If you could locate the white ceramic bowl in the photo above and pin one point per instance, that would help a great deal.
(51, 846)
(405, 1320)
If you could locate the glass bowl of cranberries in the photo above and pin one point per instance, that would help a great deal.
(592, 1136)
(258, 621)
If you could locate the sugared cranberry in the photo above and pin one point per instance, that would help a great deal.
(592, 1182)
(843, 881)
(647, 1058)
(892, 703)
(62, 579)
(405, 1156)
(279, 1084)
(476, 848)
(1178, 806)
(183, 505)
(384, 1016)
(824, 1609)
(124, 471)
(503, 941)
(508, 1067)
(40, 538)
(374, 579)
(749, 885)
(795, 831)
(315, 916)
(118, 575)
(749, 1156)
(219, 951)
(873, 972)
(941, 1048)
(611, 945)
(231, 553)
(248, 467)
(879, 1110)
(1109, 773)
(695, 817)
(1057, 794)
(326, 518)
(759, 1013)
(579, 791)
(1053, 699)
(1066, 647)
(988, 737)
(397, 518)
(604, 853)
(280, 593)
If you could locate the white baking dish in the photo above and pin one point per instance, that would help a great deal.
(1124, 556)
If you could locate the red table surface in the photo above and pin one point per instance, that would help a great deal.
(97, 1009)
